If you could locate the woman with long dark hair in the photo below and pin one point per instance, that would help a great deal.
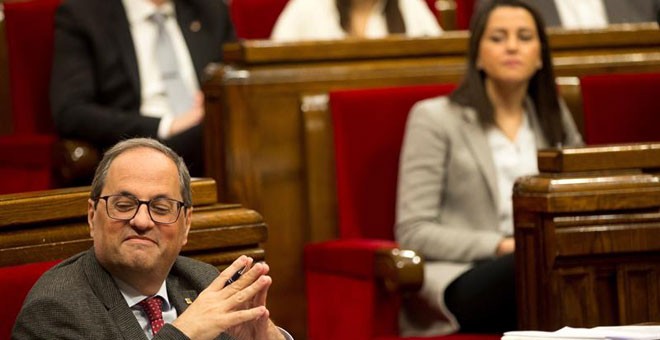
(460, 158)
(339, 19)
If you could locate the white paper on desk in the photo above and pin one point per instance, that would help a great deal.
(596, 333)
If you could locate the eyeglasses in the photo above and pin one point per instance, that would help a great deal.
(123, 208)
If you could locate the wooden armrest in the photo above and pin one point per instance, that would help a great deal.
(74, 162)
(400, 270)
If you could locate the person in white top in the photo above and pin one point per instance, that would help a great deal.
(339, 19)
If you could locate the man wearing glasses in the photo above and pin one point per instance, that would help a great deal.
(132, 284)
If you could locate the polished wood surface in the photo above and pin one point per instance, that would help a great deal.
(587, 232)
(48, 225)
(257, 127)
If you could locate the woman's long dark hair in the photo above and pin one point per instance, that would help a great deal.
(392, 13)
(541, 89)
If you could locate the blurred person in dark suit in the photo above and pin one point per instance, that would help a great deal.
(108, 82)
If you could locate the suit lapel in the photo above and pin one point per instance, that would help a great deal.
(475, 139)
(180, 297)
(193, 33)
(105, 289)
(118, 21)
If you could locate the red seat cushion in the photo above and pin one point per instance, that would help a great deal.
(16, 282)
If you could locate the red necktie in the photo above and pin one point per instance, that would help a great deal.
(153, 306)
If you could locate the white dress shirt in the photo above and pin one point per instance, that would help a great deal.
(133, 298)
(144, 32)
(319, 20)
(512, 159)
(582, 13)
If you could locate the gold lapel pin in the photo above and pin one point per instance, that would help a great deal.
(195, 26)
(188, 301)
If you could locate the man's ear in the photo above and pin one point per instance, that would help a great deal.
(91, 211)
(187, 223)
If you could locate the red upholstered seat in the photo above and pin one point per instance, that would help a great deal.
(621, 108)
(15, 282)
(254, 19)
(344, 301)
(26, 154)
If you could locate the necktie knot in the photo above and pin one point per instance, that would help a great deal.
(158, 18)
(153, 307)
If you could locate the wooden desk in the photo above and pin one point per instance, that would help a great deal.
(255, 127)
(587, 233)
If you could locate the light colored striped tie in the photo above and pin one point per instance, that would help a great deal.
(178, 96)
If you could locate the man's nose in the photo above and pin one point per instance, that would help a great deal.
(142, 219)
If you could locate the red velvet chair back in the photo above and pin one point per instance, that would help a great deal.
(368, 127)
(621, 108)
(26, 153)
(29, 28)
(464, 11)
(15, 282)
(254, 19)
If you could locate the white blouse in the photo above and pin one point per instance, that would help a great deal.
(512, 159)
(319, 20)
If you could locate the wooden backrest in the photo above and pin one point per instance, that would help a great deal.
(38, 229)
(621, 108)
(368, 126)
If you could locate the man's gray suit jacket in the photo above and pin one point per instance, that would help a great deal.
(78, 299)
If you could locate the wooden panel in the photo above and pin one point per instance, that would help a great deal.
(257, 132)
(47, 225)
(595, 238)
(638, 284)
(600, 158)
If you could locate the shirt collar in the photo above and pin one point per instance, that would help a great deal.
(133, 297)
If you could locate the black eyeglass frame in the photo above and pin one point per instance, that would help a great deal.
(140, 203)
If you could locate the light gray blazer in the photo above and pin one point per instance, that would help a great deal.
(447, 201)
(78, 299)
(618, 11)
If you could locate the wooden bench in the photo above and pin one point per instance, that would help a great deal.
(256, 134)
(37, 229)
(587, 232)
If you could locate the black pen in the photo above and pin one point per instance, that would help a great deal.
(235, 277)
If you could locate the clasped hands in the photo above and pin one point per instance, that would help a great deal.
(238, 309)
